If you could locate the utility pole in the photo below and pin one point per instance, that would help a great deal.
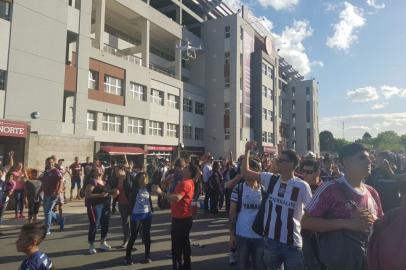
(343, 132)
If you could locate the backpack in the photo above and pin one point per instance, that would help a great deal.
(387, 245)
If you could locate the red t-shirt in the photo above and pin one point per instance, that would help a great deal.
(50, 181)
(181, 209)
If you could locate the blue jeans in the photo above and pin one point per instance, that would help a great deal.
(250, 248)
(277, 253)
(49, 203)
(3, 210)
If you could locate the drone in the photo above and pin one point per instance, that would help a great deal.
(189, 49)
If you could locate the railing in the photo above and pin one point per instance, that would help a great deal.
(162, 70)
(130, 58)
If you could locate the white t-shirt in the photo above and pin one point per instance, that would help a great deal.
(284, 209)
(250, 202)
(142, 203)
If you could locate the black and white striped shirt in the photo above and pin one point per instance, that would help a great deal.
(284, 209)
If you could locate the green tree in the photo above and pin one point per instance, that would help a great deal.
(327, 141)
(389, 140)
(340, 143)
(366, 136)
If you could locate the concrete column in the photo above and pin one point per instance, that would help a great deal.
(83, 54)
(145, 35)
(100, 21)
(179, 15)
(178, 60)
(180, 116)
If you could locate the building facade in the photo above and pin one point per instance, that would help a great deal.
(84, 76)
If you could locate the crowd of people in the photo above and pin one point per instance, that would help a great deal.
(285, 212)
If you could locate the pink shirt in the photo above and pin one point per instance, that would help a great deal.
(18, 179)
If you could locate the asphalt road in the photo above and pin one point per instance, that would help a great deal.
(68, 249)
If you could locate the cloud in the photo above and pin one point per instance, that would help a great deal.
(317, 64)
(233, 4)
(389, 91)
(279, 4)
(372, 3)
(356, 125)
(268, 24)
(379, 106)
(290, 43)
(345, 31)
(363, 94)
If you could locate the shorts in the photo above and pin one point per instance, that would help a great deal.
(76, 181)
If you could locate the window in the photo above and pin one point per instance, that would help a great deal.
(157, 97)
(307, 90)
(227, 108)
(5, 10)
(3, 74)
(309, 145)
(264, 136)
(136, 126)
(264, 91)
(137, 91)
(112, 85)
(270, 137)
(93, 80)
(270, 72)
(156, 128)
(187, 132)
(227, 31)
(227, 81)
(111, 122)
(307, 111)
(270, 115)
(91, 120)
(265, 113)
(199, 108)
(293, 91)
(226, 134)
(264, 68)
(187, 105)
(270, 93)
(199, 134)
(173, 101)
(172, 130)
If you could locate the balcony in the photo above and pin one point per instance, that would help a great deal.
(130, 58)
(161, 69)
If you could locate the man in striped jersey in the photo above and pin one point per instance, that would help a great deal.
(287, 198)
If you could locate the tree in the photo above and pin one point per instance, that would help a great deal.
(327, 141)
(388, 140)
(340, 143)
(366, 136)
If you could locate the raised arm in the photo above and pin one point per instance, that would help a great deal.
(248, 174)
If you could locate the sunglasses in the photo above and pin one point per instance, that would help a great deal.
(308, 171)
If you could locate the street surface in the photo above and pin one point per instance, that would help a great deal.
(68, 249)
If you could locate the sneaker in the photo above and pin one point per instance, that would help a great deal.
(128, 261)
(104, 246)
(146, 260)
(21, 216)
(16, 216)
(124, 244)
(92, 250)
(48, 233)
(231, 259)
(62, 224)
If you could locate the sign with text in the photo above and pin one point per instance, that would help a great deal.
(13, 129)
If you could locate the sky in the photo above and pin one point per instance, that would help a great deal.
(355, 49)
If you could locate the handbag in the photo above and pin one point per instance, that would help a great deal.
(343, 249)
(258, 224)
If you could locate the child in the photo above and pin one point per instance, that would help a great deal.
(32, 191)
(31, 236)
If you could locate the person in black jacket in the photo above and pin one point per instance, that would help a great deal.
(215, 181)
(141, 215)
